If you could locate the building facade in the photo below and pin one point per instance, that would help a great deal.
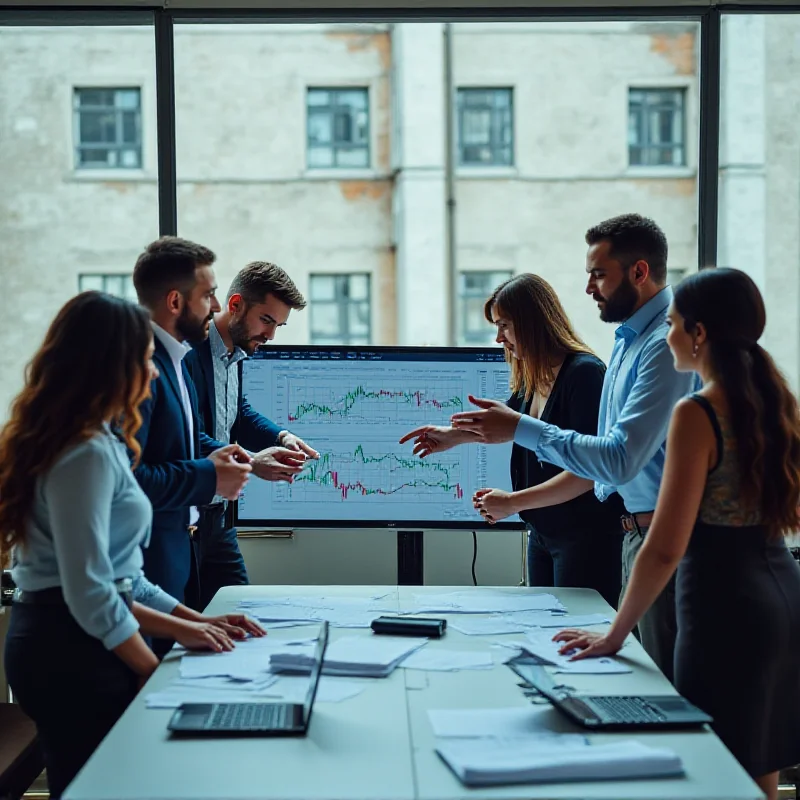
(398, 172)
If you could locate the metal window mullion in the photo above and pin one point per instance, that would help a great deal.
(708, 151)
(165, 123)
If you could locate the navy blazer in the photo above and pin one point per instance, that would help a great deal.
(171, 479)
(251, 430)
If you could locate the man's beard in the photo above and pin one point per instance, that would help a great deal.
(240, 336)
(620, 304)
(193, 329)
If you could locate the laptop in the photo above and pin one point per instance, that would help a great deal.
(611, 712)
(252, 719)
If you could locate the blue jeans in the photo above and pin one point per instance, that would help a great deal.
(584, 559)
(218, 557)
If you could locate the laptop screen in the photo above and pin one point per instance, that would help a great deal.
(316, 672)
(538, 677)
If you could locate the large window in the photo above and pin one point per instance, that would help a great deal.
(338, 128)
(485, 127)
(474, 290)
(119, 285)
(657, 127)
(340, 309)
(108, 128)
(78, 168)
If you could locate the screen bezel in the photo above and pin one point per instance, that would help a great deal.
(398, 525)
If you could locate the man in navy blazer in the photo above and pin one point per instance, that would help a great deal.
(259, 301)
(180, 467)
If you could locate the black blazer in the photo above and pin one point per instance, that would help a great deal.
(574, 404)
(250, 429)
(172, 480)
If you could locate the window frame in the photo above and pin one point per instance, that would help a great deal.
(344, 304)
(105, 277)
(337, 147)
(495, 146)
(683, 90)
(469, 337)
(118, 145)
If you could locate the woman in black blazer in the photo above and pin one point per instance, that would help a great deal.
(557, 378)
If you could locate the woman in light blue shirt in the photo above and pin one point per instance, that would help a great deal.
(74, 521)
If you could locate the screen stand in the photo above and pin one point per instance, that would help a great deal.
(409, 558)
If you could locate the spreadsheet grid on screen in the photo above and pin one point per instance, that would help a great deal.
(353, 405)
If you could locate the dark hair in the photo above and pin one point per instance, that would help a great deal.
(541, 328)
(260, 278)
(634, 238)
(763, 411)
(167, 264)
(90, 367)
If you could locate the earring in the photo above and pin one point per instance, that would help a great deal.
(694, 350)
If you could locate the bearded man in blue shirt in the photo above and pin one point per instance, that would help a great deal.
(627, 272)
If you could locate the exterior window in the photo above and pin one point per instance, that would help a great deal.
(108, 128)
(485, 127)
(657, 127)
(676, 274)
(474, 290)
(340, 309)
(338, 128)
(116, 284)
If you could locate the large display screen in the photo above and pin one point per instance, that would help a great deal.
(353, 405)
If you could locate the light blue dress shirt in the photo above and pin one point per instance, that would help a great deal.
(88, 523)
(640, 390)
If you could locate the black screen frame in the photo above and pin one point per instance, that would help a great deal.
(391, 525)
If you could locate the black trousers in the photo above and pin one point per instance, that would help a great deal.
(67, 683)
(218, 559)
(582, 559)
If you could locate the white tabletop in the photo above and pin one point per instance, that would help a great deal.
(379, 745)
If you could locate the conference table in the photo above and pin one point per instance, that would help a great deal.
(379, 745)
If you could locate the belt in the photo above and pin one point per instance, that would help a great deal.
(54, 596)
(635, 522)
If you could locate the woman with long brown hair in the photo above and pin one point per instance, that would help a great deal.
(557, 378)
(74, 521)
(730, 493)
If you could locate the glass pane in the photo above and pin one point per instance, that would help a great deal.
(52, 121)
(759, 179)
(359, 287)
(323, 287)
(565, 118)
(320, 129)
(90, 283)
(97, 126)
(320, 156)
(130, 127)
(318, 97)
(326, 319)
(342, 127)
(352, 157)
(115, 284)
(355, 98)
(128, 98)
(95, 97)
(358, 318)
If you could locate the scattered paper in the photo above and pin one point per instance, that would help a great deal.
(554, 758)
(572, 620)
(430, 658)
(487, 626)
(486, 601)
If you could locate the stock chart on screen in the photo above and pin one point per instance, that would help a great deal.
(353, 405)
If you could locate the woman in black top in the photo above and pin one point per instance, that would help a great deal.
(555, 377)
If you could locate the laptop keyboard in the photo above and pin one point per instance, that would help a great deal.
(623, 709)
(250, 716)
